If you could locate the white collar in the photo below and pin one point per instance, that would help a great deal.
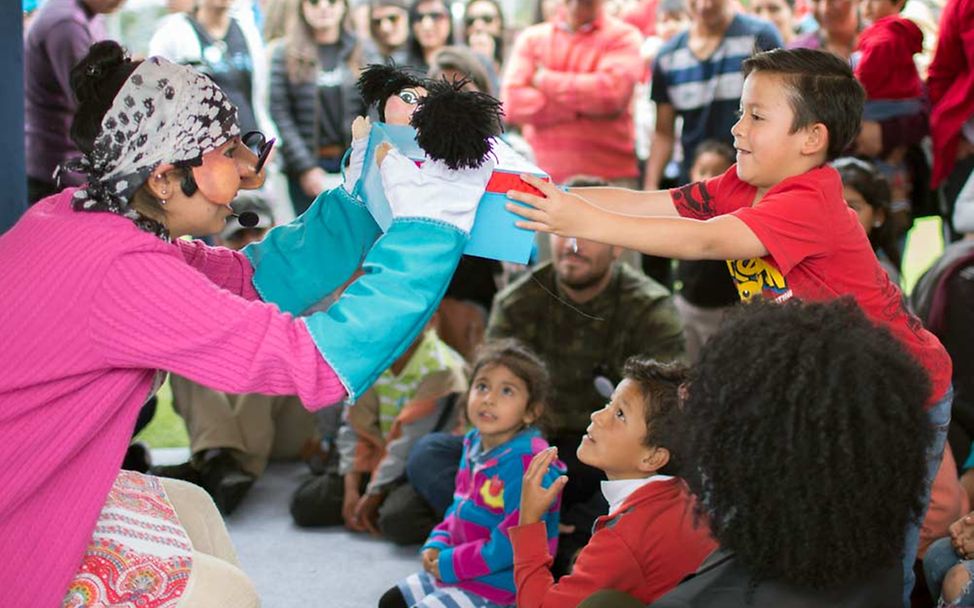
(617, 491)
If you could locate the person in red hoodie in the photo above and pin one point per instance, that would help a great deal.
(883, 63)
(650, 539)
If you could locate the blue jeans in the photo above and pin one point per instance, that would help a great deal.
(938, 561)
(432, 468)
(939, 417)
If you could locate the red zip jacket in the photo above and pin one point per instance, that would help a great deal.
(950, 82)
(644, 548)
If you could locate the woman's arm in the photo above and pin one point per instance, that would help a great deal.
(298, 264)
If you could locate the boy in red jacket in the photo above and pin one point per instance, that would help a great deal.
(649, 540)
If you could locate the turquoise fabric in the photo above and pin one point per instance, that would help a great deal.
(378, 316)
(298, 264)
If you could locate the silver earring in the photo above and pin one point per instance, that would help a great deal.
(877, 224)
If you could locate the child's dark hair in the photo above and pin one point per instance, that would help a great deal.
(713, 146)
(821, 87)
(660, 385)
(805, 427)
(524, 364)
(863, 177)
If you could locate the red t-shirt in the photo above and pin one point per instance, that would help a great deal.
(817, 251)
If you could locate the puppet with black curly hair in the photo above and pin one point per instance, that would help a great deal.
(806, 432)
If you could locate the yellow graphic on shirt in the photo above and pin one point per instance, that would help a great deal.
(756, 277)
(492, 492)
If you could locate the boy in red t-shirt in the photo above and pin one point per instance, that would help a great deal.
(777, 216)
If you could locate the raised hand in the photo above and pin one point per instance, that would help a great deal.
(558, 212)
(535, 499)
(361, 127)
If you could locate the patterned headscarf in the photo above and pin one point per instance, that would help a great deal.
(164, 113)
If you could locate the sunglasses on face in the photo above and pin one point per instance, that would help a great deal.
(258, 143)
(487, 19)
(392, 19)
(435, 16)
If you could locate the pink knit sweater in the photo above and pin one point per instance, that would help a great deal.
(90, 308)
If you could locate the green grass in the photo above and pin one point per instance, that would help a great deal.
(166, 429)
(924, 245)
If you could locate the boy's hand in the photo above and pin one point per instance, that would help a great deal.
(366, 515)
(559, 212)
(536, 500)
(431, 562)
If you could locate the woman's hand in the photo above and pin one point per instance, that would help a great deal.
(482, 43)
(361, 128)
(558, 212)
(431, 562)
(536, 500)
(313, 181)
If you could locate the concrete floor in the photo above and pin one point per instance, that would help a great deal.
(296, 567)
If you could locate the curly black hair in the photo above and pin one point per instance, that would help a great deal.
(806, 429)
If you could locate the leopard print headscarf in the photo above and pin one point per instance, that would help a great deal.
(164, 113)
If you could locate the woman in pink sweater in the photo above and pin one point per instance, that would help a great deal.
(99, 294)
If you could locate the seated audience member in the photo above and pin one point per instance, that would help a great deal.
(584, 313)
(866, 190)
(707, 291)
(367, 492)
(942, 299)
(949, 564)
(231, 437)
(389, 31)
(467, 559)
(649, 540)
(808, 459)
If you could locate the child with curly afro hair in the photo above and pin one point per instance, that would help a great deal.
(805, 433)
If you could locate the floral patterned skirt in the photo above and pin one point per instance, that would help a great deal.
(139, 556)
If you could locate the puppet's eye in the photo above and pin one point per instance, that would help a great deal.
(410, 96)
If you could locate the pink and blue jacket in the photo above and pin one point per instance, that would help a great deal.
(475, 549)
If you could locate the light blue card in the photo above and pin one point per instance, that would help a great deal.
(494, 234)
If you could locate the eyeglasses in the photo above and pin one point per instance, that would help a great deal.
(487, 19)
(393, 19)
(435, 16)
(315, 2)
(258, 143)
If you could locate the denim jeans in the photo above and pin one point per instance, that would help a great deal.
(432, 468)
(939, 417)
(938, 561)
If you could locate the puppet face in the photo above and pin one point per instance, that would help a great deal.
(400, 107)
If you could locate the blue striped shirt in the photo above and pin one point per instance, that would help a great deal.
(706, 93)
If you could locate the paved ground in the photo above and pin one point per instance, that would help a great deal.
(294, 567)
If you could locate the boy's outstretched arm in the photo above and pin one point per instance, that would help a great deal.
(654, 203)
(566, 214)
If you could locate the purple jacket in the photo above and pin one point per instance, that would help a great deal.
(57, 39)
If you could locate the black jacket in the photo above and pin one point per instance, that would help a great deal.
(722, 582)
(296, 109)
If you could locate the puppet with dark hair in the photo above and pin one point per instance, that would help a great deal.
(806, 434)
(452, 125)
